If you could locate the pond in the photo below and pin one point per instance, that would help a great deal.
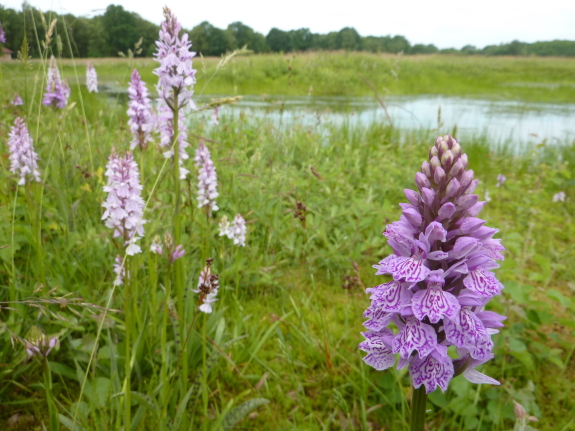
(514, 123)
(511, 122)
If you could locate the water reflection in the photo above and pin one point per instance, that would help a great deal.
(510, 122)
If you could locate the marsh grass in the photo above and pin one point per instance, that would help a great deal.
(528, 79)
(283, 329)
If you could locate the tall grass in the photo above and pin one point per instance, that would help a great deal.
(529, 79)
(280, 350)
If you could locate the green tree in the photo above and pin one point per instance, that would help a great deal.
(301, 39)
(210, 40)
(349, 39)
(279, 40)
(120, 29)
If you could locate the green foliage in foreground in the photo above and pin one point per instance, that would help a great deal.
(284, 330)
(336, 74)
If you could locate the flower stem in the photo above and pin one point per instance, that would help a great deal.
(418, 404)
(164, 344)
(178, 234)
(128, 365)
(54, 419)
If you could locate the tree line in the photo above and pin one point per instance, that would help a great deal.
(117, 30)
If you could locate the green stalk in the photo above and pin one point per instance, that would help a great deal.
(178, 235)
(418, 404)
(128, 365)
(164, 344)
(36, 228)
(54, 418)
(153, 271)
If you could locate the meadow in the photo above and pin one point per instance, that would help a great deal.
(280, 349)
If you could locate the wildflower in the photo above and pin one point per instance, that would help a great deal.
(237, 231)
(119, 270)
(442, 279)
(23, 158)
(559, 197)
(225, 226)
(208, 285)
(207, 179)
(177, 253)
(156, 246)
(124, 204)
(500, 180)
(141, 121)
(522, 417)
(165, 121)
(176, 75)
(38, 344)
(215, 116)
(57, 89)
(17, 100)
(175, 85)
(487, 196)
(2, 34)
(91, 78)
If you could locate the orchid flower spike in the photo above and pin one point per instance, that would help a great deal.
(442, 280)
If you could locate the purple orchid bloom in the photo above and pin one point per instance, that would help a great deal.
(442, 263)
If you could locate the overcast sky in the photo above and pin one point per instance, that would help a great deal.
(445, 23)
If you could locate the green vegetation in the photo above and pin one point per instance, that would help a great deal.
(336, 74)
(284, 334)
(117, 30)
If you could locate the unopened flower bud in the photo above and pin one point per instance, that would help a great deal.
(413, 216)
(519, 411)
(434, 163)
(466, 201)
(452, 188)
(412, 197)
(442, 149)
(425, 169)
(456, 149)
(466, 179)
(457, 168)
(169, 242)
(472, 187)
(421, 180)
(433, 153)
(439, 175)
(446, 211)
(464, 161)
(447, 160)
(428, 196)
(476, 209)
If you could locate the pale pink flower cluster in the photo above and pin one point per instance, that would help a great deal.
(176, 74)
(119, 270)
(141, 121)
(57, 89)
(207, 179)
(41, 347)
(124, 204)
(17, 100)
(166, 125)
(559, 197)
(91, 78)
(23, 158)
(235, 231)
